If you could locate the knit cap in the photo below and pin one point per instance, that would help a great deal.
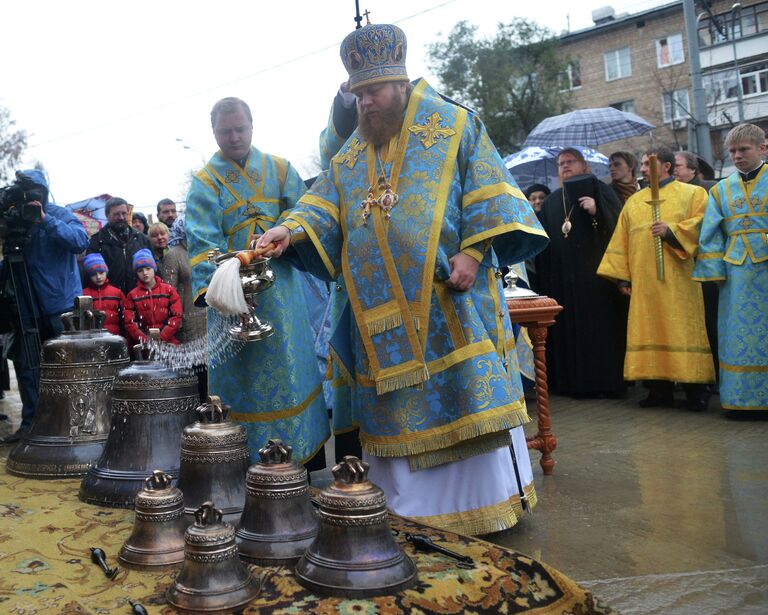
(94, 263)
(144, 258)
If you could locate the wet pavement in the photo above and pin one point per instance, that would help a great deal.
(656, 510)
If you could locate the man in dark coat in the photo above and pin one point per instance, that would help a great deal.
(585, 349)
(117, 243)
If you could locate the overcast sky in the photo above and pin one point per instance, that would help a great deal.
(105, 89)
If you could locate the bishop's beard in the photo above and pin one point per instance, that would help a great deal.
(378, 127)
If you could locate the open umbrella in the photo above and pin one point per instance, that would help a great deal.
(538, 165)
(588, 126)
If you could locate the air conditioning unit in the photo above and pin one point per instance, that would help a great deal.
(679, 124)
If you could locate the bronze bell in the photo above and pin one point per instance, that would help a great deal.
(214, 461)
(212, 577)
(157, 539)
(278, 523)
(71, 421)
(354, 554)
(151, 404)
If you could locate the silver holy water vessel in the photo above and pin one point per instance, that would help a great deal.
(256, 276)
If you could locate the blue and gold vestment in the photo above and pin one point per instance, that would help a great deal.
(734, 250)
(274, 385)
(433, 369)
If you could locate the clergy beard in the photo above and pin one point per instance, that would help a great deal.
(378, 127)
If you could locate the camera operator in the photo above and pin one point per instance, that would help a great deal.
(41, 248)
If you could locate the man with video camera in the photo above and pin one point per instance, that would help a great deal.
(39, 278)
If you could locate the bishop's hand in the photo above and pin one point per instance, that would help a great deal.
(463, 271)
(280, 236)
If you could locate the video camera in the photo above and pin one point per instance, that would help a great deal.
(18, 211)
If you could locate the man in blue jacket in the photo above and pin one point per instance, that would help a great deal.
(50, 253)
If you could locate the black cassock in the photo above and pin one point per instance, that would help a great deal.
(585, 347)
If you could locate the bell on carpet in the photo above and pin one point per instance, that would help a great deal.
(243, 275)
(354, 554)
(278, 523)
(71, 421)
(214, 461)
(151, 404)
(212, 577)
(157, 539)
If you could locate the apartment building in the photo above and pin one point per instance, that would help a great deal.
(639, 62)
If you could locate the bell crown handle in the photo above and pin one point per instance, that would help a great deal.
(350, 470)
(157, 481)
(213, 411)
(207, 514)
(99, 316)
(275, 452)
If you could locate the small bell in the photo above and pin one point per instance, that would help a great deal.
(214, 461)
(212, 577)
(278, 523)
(354, 554)
(157, 539)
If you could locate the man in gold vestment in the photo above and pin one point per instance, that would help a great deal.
(666, 337)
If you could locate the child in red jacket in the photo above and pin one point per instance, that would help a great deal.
(107, 298)
(153, 304)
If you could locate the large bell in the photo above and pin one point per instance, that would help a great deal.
(157, 539)
(212, 578)
(72, 416)
(151, 404)
(214, 461)
(278, 523)
(354, 554)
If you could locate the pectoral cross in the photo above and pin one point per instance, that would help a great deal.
(387, 199)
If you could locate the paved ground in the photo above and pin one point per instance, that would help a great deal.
(656, 510)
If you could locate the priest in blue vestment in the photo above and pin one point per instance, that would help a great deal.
(273, 385)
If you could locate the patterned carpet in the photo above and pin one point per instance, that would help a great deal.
(46, 532)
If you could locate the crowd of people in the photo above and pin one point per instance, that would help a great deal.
(623, 320)
(409, 223)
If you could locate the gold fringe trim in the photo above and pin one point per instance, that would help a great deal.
(329, 367)
(462, 450)
(485, 520)
(402, 381)
(344, 374)
(385, 323)
(466, 428)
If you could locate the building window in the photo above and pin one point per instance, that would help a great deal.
(617, 64)
(675, 105)
(744, 21)
(723, 86)
(570, 78)
(669, 50)
(754, 79)
(625, 105)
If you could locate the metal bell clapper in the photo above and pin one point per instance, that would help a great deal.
(255, 277)
(71, 422)
(278, 523)
(157, 539)
(214, 461)
(212, 577)
(99, 558)
(354, 554)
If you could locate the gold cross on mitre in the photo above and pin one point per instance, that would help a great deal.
(349, 156)
(430, 132)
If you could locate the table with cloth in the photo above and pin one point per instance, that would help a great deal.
(46, 532)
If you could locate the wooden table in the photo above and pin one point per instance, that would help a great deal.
(536, 314)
